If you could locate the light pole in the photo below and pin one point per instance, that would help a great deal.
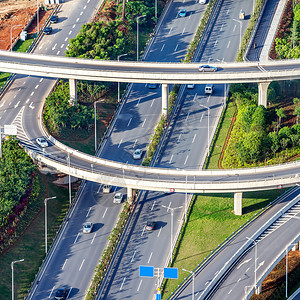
(208, 111)
(12, 276)
(286, 270)
(172, 214)
(193, 283)
(137, 36)
(95, 116)
(37, 17)
(240, 30)
(11, 29)
(70, 187)
(119, 81)
(46, 229)
(255, 257)
(155, 11)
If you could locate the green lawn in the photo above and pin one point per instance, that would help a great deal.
(23, 46)
(3, 78)
(31, 245)
(210, 222)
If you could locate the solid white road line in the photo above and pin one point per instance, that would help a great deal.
(186, 159)
(64, 264)
(120, 143)
(194, 138)
(153, 205)
(17, 104)
(93, 238)
(133, 256)
(159, 232)
(76, 238)
(51, 292)
(88, 212)
(122, 283)
(105, 212)
(81, 264)
(139, 285)
(150, 257)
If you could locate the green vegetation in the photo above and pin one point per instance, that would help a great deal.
(210, 222)
(252, 141)
(23, 46)
(3, 78)
(31, 244)
(287, 40)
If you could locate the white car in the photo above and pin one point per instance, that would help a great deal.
(118, 198)
(87, 227)
(42, 142)
(137, 154)
(106, 189)
(190, 86)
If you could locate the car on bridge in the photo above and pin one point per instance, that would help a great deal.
(207, 68)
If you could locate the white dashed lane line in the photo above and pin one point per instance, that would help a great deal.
(122, 283)
(176, 48)
(150, 257)
(76, 238)
(77, 20)
(74, 26)
(66, 39)
(81, 13)
(58, 52)
(105, 212)
(53, 48)
(64, 264)
(27, 100)
(84, 7)
(70, 32)
(81, 265)
(139, 285)
(41, 79)
(32, 93)
(36, 87)
(62, 46)
(93, 238)
(162, 48)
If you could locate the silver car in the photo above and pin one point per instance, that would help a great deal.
(118, 198)
(137, 154)
(207, 68)
(87, 227)
(42, 142)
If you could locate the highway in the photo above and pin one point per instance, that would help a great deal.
(72, 258)
(185, 146)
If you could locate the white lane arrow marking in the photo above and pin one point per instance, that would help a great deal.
(31, 106)
(261, 264)
(244, 262)
(2, 103)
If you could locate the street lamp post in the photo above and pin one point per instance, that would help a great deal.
(155, 11)
(172, 214)
(193, 283)
(12, 277)
(37, 17)
(95, 117)
(255, 257)
(70, 187)
(208, 111)
(137, 36)
(286, 270)
(119, 81)
(240, 30)
(11, 29)
(46, 229)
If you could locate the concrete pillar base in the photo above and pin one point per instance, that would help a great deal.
(165, 100)
(263, 93)
(129, 195)
(258, 290)
(73, 91)
(238, 201)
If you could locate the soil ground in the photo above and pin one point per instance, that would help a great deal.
(18, 12)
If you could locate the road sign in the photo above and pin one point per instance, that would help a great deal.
(146, 271)
(171, 273)
(279, 186)
(10, 129)
(172, 190)
(158, 297)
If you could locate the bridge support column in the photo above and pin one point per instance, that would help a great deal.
(165, 100)
(73, 91)
(258, 290)
(129, 195)
(296, 247)
(238, 201)
(263, 93)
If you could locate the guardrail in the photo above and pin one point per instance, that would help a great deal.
(221, 246)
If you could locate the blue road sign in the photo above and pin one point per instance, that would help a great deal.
(146, 271)
(158, 296)
(171, 273)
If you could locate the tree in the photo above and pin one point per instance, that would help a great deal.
(297, 108)
(280, 114)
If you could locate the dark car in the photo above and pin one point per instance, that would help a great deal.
(152, 85)
(61, 294)
(48, 30)
(54, 19)
(150, 225)
(207, 68)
